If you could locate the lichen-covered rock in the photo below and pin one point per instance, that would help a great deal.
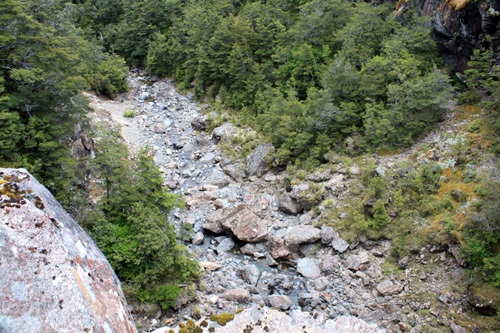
(264, 319)
(257, 160)
(54, 278)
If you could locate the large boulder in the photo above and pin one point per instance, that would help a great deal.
(54, 278)
(258, 160)
(302, 234)
(244, 224)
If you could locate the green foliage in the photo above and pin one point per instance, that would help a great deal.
(132, 229)
(129, 113)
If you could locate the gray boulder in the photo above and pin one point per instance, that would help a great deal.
(339, 244)
(233, 170)
(308, 267)
(258, 160)
(355, 262)
(238, 295)
(288, 204)
(54, 278)
(249, 273)
(302, 234)
(225, 130)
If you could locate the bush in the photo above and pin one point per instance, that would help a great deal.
(129, 113)
(469, 97)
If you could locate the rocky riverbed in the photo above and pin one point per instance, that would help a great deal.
(259, 244)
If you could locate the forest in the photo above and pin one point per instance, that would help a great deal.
(311, 77)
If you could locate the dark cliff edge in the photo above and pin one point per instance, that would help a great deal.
(459, 26)
(54, 278)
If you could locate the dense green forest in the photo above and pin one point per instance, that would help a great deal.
(311, 77)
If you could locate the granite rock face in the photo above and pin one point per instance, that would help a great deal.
(54, 278)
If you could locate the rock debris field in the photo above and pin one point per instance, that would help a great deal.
(256, 243)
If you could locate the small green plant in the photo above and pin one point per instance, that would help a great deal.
(475, 127)
(222, 319)
(469, 97)
(129, 113)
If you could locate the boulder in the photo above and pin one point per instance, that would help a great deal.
(244, 224)
(330, 263)
(211, 266)
(200, 124)
(207, 158)
(308, 267)
(334, 182)
(249, 273)
(226, 245)
(213, 222)
(288, 204)
(258, 160)
(339, 244)
(233, 170)
(278, 248)
(225, 130)
(388, 288)
(198, 238)
(355, 262)
(305, 198)
(327, 234)
(238, 295)
(54, 278)
(254, 249)
(302, 234)
(281, 302)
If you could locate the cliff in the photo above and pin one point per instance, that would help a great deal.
(54, 278)
(460, 26)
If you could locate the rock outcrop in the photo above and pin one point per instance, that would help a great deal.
(257, 160)
(54, 278)
(459, 26)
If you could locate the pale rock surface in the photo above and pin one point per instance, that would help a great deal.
(308, 267)
(238, 295)
(54, 278)
(302, 234)
(264, 319)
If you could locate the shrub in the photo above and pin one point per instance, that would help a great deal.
(129, 113)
